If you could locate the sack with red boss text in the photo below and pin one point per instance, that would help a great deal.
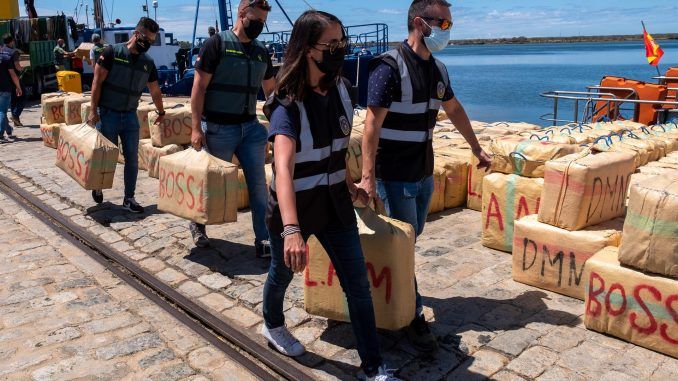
(199, 187)
(87, 156)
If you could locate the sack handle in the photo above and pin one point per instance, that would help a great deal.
(539, 138)
(659, 125)
(606, 139)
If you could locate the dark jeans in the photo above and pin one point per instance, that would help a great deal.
(125, 126)
(408, 202)
(18, 103)
(343, 248)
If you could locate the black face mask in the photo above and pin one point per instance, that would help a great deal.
(332, 62)
(254, 29)
(142, 45)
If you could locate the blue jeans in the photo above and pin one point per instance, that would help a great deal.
(346, 254)
(408, 202)
(247, 141)
(18, 103)
(123, 125)
(5, 99)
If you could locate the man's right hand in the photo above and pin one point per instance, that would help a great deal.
(369, 185)
(93, 119)
(198, 139)
(19, 93)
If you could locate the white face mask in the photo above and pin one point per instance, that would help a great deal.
(438, 40)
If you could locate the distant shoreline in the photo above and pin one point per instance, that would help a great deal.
(561, 40)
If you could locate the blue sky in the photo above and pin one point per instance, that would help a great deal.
(473, 18)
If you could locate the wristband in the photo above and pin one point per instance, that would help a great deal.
(161, 113)
(290, 230)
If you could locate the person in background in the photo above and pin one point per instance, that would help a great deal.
(120, 76)
(9, 82)
(231, 68)
(18, 101)
(312, 192)
(406, 89)
(60, 55)
(211, 31)
(96, 50)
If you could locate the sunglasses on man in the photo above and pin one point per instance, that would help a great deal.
(444, 24)
(261, 4)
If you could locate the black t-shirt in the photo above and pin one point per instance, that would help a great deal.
(6, 84)
(208, 61)
(106, 61)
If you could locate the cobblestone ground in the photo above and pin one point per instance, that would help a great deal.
(64, 317)
(488, 325)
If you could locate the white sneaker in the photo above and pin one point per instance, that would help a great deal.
(283, 341)
(383, 375)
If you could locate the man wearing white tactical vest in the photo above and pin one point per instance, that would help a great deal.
(120, 76)
(407, 87)
(230, 69)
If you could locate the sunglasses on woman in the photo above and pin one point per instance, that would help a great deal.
(444, 24)
(334, 45)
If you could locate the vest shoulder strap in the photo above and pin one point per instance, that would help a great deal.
(279, 101)
(389, 58)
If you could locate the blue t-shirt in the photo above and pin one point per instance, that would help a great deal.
(384, 83)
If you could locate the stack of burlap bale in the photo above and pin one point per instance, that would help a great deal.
(514, 188)
(633, 289)
(53, 116)
(158, 140)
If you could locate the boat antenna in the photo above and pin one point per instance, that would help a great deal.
(309, 5)
(285, 13)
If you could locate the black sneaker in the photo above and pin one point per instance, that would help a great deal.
(98, 196)
(263, 249)
(12, 137)
(200, 238)
(132, 205)
(3, 139)
(16, 121)
(420, 336)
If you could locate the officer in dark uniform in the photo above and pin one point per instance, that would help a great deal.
(120, 76)
(407, 87)
(96, 50)
(312, 193)
(231, 68)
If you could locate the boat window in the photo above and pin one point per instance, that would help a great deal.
(121, 37)
(169, 38)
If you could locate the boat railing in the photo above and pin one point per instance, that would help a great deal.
(610, 100)
(373, 37)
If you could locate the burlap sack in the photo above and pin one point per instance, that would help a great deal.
(514, 155)
(456, 163)
(474, 192)
(175, 128)
(85, 111)
(199, 187)
(650, 240)
(507, 198)
(638, 179)
(554, 259)
(149, 156)
(655, 150)
(243, 192)
(50, 134)
(143, 111)
(388, 246)
(354, 156)
(73, 108)
(656, 170)
(87, 156)
(585, 189)
(438, 198)
(669, 159)
(636, 307)
(662, 164)
(53, 107)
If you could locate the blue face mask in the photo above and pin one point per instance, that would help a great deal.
(438, 39)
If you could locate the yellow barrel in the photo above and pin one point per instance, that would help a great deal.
(69, 81)
(9, 9)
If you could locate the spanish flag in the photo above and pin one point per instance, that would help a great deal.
(653, 51)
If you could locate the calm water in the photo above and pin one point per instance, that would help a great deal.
(503, 82)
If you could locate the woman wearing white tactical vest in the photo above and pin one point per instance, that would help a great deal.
(311, 194)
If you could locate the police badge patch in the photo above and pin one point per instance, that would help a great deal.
(441, 90)
(345, 125)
